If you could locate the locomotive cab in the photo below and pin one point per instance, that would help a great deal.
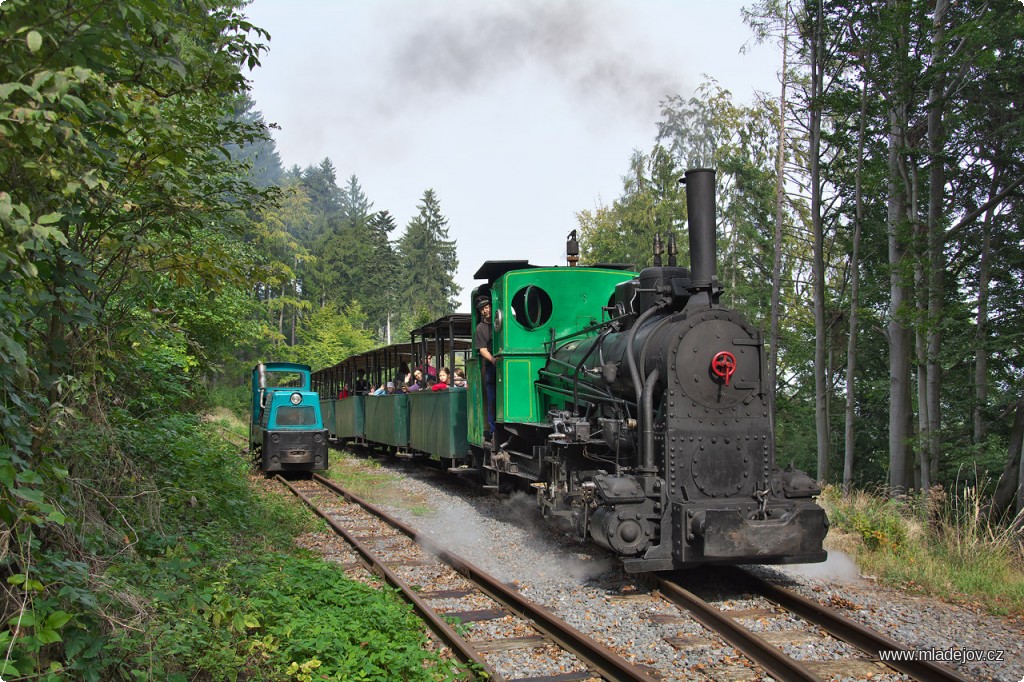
(286, 430)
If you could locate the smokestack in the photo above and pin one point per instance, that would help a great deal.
(700, 209)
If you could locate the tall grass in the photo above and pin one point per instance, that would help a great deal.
(936, 543)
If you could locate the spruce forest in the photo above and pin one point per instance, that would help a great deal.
(155, 247)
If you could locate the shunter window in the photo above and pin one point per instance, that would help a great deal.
(296, 416)
(531, 306)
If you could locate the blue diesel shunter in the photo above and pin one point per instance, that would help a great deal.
(286, 428)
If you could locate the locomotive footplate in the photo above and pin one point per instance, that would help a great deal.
(795, 537)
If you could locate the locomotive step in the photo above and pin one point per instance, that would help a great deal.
(462, 471)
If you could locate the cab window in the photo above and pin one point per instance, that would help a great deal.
(531, 307)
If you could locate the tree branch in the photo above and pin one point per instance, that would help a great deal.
(970, 217)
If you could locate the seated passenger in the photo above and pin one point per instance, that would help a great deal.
(460, 378)
(404, 377)
(428, 369)
(442, 380)
(417, 382)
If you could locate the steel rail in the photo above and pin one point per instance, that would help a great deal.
(869, 641)
(464, 650)
(600, 659)
(771, 658)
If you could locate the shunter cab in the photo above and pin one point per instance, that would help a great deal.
(286, 429)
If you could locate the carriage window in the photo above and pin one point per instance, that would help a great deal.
(531, 306)
(296, 416)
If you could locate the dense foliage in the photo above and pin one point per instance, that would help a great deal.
(333, 266)
(140, 199)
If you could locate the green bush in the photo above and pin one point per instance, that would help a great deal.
(235, 398)
(355, 631)
(878, 521)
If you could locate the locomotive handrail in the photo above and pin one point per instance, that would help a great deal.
(581, 332)
(576, 374)
(595, 394)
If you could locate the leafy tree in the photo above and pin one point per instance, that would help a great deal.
(281, 258)
(116, 198)
(329, 334)
(652, 203)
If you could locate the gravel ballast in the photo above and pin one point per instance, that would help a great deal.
(584, 585)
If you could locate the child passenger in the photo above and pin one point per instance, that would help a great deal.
(442, 380)
(460, 378)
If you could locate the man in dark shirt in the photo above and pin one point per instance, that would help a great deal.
(482, 342)
(362, 386)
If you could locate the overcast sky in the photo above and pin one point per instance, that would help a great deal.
(518, 113)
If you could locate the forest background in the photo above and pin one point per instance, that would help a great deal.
(154, 247)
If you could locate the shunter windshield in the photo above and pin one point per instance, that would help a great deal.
(278, 379)
(296, 416)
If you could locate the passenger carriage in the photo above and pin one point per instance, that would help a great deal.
(427, 423)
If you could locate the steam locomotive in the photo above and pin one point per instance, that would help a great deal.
(635, 405)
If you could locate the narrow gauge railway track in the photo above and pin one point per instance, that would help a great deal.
(816, 624)
(766, 648)
(384, 546)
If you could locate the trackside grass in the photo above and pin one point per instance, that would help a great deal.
(366, 478)
(174, 562)
(936, 544)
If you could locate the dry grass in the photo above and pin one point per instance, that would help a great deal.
(935, 543)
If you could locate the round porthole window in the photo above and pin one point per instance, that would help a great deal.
(531, 307)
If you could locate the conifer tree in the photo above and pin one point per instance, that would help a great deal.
(428, 264)
(321, 184)
(260, 154)
(382, 275)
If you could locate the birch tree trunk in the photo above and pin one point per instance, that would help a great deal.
(981, 328)
(780, 195)
(1010, 490)
(280, 315)
(921, 479)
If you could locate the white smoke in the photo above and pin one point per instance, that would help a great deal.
(839, 566)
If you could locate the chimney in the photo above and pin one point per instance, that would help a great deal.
(700, 210)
